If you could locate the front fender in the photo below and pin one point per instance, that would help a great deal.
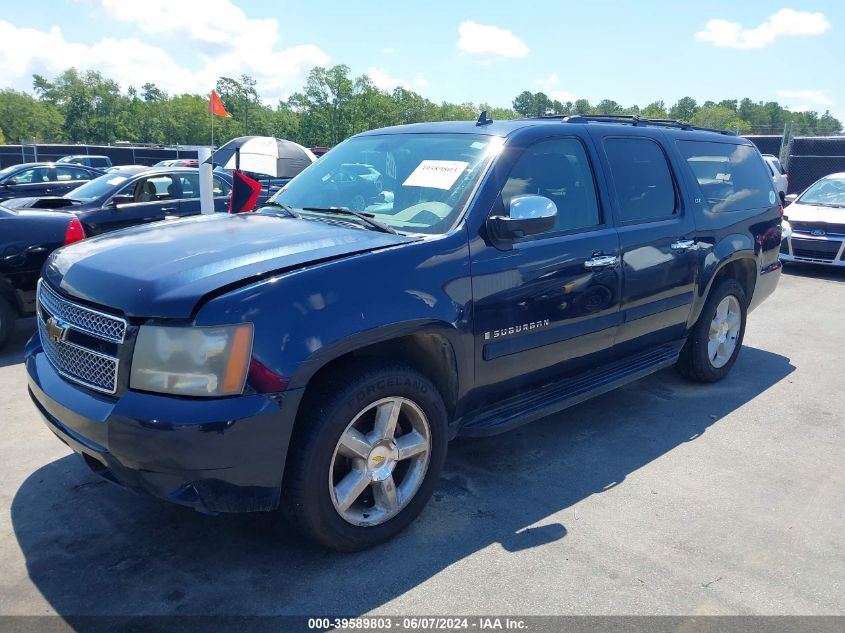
(306, 318)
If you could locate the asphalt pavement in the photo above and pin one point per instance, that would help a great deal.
(664, 497)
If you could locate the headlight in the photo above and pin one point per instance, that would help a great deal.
(786, 228)
(192, 361)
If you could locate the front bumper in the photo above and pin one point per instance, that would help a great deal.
(215, 455)
(828, 250)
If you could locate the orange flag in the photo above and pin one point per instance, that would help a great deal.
(215, 106)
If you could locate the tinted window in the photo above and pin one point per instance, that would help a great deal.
(641, 179)
(71, 173)
(559, 170)
(731, 177)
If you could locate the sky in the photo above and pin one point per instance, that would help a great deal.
(459, 51)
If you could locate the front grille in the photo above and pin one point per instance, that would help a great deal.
(72, 360)
(82, 319)
(809, 227)
(815, 249)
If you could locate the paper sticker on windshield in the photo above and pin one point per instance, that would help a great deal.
(116, 180)
(437, 174)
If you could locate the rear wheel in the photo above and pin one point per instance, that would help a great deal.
(366, 455)
(7, 321)
(714, 343)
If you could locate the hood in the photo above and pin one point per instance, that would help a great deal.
(164, 269)
(814, 213)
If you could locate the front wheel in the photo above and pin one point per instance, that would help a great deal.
(714, 342)
(365, 456)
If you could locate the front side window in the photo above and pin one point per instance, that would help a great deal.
(557, 169)
(151, 189)
(641, 179)
(33, 175)
(731, 177)
(416, 183)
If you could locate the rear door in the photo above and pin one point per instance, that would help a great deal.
(190, 203)
(547, 305)
(656, 237)
(68, 178)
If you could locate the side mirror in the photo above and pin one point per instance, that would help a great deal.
(11, 181)
(527, 215)
(122, 199)
(790, 198)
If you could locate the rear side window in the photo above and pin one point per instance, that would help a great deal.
(641, 179)
(731, 177)
(71, 173)
(559, 170)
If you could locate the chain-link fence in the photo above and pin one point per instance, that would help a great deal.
(808, 158)
(119, 154)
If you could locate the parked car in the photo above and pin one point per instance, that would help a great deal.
(136, 195)
(115, 168)
(814, 224)
(270, 185)
(319, 359)
(42, 179)
(88, 160)
(26, 239)
(178, 162)
(779, 176)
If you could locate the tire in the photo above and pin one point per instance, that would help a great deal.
(7, 321)
(696, 361)
(318, 468)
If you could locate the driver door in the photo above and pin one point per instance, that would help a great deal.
(153, 199)
(548, 305)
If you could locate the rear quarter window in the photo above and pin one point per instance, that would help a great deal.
(730, 177)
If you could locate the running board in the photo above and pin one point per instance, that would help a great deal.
(538, 403)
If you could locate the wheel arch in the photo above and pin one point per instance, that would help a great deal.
(431, 348)
(737, 264)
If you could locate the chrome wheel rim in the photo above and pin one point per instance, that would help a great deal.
(380, 461)
(724, 331)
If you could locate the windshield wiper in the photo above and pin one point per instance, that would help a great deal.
(361, 216)
(278, 205)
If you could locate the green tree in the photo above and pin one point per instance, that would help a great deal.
(684, 109)
(24, 117)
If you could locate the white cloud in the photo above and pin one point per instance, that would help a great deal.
(488, 43)
(549, 86)
(385, 82)
(786, 22)
(217, 34)
(387, 50)
(816, 96)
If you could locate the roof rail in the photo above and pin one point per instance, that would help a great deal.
(633, 119)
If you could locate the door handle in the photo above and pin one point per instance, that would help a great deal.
(601, 261)
(168, 209)
(683, 245)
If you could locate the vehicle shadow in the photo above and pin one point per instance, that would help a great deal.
(816, 271)
(94, 549)
(12, 352)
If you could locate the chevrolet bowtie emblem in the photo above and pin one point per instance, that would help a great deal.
(56, 330)
(378, 459)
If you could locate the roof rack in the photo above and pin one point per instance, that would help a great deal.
(633, 119)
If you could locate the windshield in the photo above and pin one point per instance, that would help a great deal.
(68, 159)
(97, 188)
(829, 192)
(414, 183)
(7, 170)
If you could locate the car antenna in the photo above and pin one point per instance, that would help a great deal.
(482, 119)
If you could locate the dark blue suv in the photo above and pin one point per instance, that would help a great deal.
(318, 355)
